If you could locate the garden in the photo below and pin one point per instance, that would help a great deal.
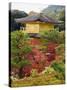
(37, 61)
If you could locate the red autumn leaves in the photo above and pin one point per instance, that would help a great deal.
(34, 42)
(39, 60)
(51, 54)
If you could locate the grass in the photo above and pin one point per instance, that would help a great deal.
(37, 81)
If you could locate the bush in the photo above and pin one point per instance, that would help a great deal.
(60, 51)
(49, 70)
(34, 73)
(60, 69)
(53, 36)
(19, 49)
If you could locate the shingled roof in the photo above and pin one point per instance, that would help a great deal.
(38, 17)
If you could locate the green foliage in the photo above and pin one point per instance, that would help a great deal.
(34, 73)
(19, 43)
(14, 63)
(60, 69)
(62, 37)
(60, 49)
(13, 14)
(49, 70)
(23, 63)
(26, 49)
(53, 36)
(19, 49)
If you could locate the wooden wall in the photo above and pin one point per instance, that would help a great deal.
(38, 27)
(46, 26)
(32, 28)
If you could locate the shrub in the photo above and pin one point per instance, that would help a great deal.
(49, 70)
(19, 49)
(59, 68)
(60, 49)
(34, 73)
(53, 36)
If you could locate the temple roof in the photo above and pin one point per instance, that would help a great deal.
(38, 17)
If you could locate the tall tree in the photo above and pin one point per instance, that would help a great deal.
(15, 14)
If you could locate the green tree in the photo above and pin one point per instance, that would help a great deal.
(13, 14)
(19, 49)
